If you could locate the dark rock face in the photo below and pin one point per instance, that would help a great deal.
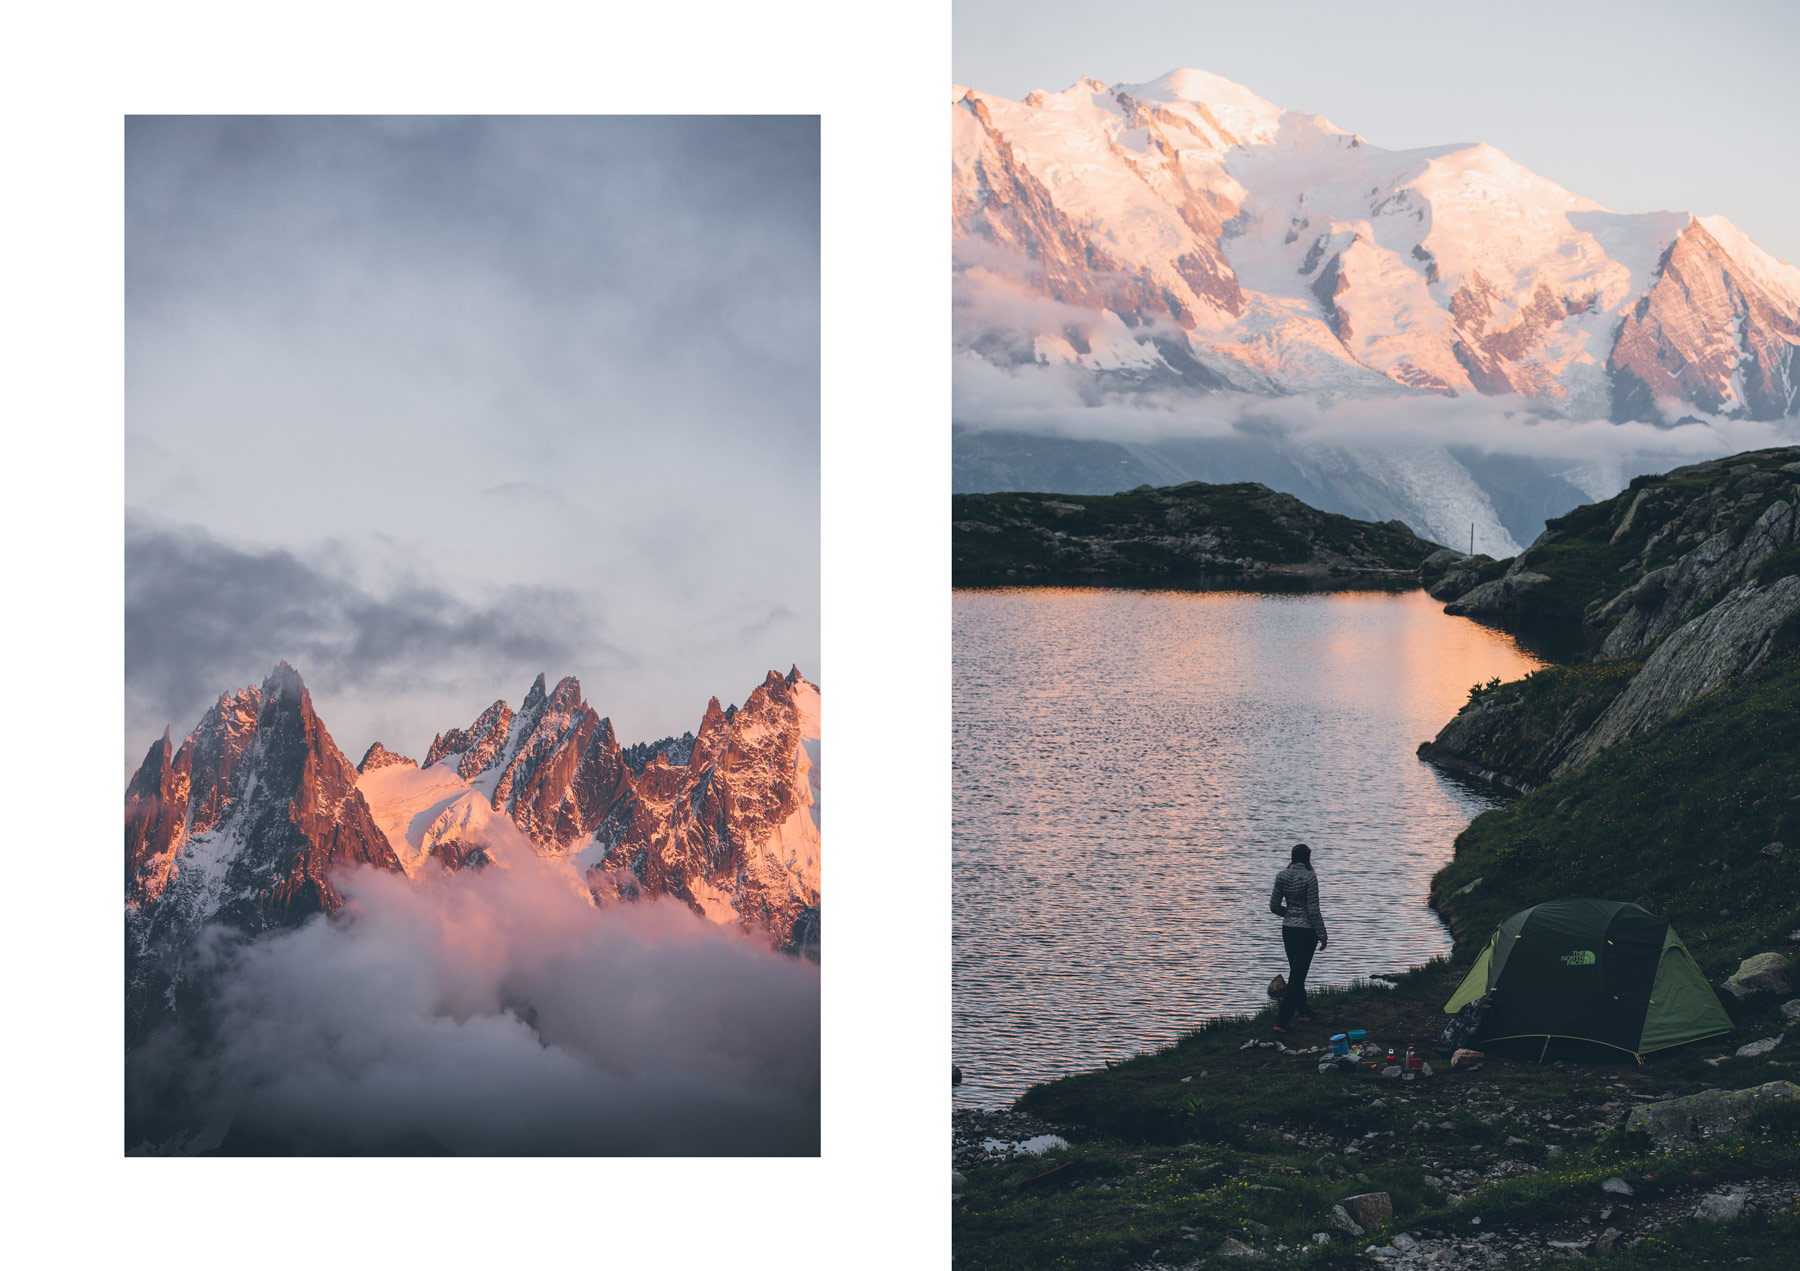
(1681, 582)
(567, 773)
(324, 822)
(1708, 333)
(478, 745)
(379, 756)
(219, 743)
(675, 750)
(155, 820)
(245, 827)
(273, 788)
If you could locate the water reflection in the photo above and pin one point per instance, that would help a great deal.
(1131, 767)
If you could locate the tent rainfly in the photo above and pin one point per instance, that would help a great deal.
(1595, 971)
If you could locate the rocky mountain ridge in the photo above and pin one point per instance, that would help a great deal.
(246, 822)
(1188, 232)
(1678, 584)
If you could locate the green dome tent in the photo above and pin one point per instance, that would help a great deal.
(1595, 971)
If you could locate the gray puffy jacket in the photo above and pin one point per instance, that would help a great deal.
(1296, 899)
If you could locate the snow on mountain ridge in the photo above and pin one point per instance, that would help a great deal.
(1188, 231)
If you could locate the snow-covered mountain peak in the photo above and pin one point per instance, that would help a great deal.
(1188, 233)
(1246, 117)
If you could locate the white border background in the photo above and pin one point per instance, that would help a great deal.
(877, 76)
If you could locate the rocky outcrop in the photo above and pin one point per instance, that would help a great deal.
(566, 772)
(1737, 635)
(1448, 574)
(734, 833)
(477, 747)
(1763, 973)
(1674, 1124)
(245, 827)
(1171, 533)
(267, 812)
(379, 756)
(1681, 583)
(155, 820)
(1709, 332)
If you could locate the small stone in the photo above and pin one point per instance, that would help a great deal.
(1392, 1070)
(1763, 1047)
(1238, 1249)
(1720, 1207)
(1321, 1237)
(1555, 1150)
(956, 1179)
(1774, 850)
(1617, 1186)
(955, 1075)
(1790, 1011)
(1607, 1241)
(1403, 1242)
(1514, 1141)
(1371, 1209)
(1425, 1070)
(1340, 1218)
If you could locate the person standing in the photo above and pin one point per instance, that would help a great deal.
(1296, 899)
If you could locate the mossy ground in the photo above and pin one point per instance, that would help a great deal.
(1207, 1140)
(1675, 820)
(1143, 535)
(1175, 1151)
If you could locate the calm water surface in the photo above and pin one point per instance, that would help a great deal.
(1131, 769)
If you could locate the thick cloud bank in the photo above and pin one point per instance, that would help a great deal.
(1496, 467)
(497, 1013)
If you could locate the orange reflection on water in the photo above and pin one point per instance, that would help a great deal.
(1130, 769)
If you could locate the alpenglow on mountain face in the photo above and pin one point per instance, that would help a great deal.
(1186, 233)
(249, 820)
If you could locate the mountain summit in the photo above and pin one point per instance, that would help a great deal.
(1188, 233)
(247, 822)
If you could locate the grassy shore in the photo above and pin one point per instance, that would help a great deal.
(1222, 1135)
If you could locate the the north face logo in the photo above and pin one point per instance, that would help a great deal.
(1581, 957)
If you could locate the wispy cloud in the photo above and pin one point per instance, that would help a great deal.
(203, 616)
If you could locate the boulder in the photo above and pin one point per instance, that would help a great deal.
(1616, 1186)
(1790, 1011)
(1750, 1049)
(1371, 1209)
(1764, 973)
(1238, 1249)
(1341, 1219)
(1608, 1242)
(1679, 1123)
(1719, 1207)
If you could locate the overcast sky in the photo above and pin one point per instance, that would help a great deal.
(426, 407)
(1642, 105)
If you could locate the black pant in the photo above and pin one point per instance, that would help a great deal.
(1301, 942)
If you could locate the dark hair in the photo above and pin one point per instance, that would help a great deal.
(1302, 855)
